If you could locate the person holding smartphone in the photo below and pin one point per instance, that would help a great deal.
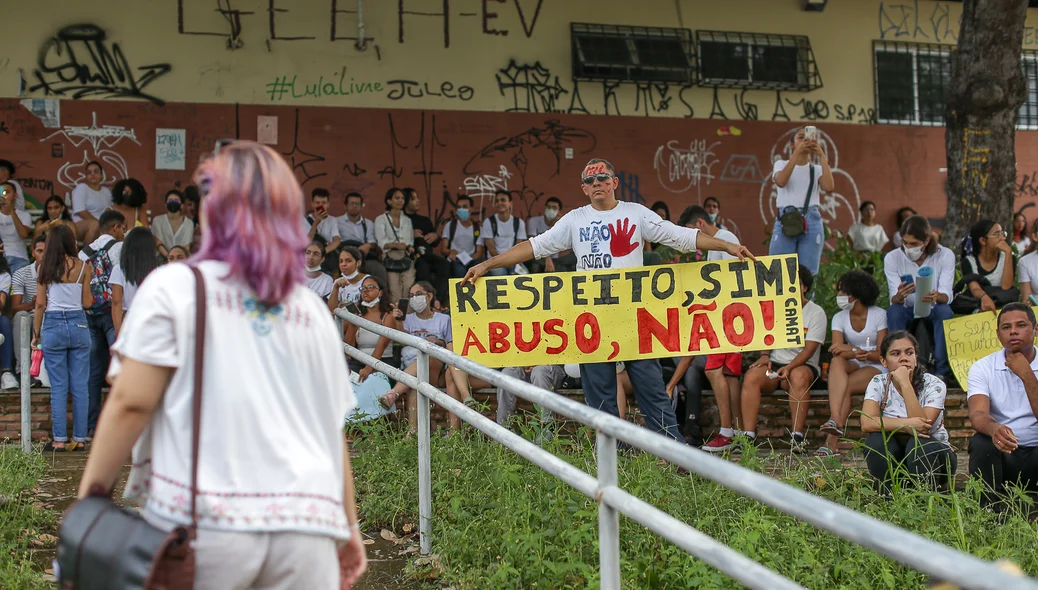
(368, 384)
(15, 227)
(324, 228)
(799, 183)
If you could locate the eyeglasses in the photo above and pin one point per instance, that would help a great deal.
(1002, 233)
(419, 294)
(369, 288)
(589, 180)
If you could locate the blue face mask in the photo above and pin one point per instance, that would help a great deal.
(463, 214)
(713, 216)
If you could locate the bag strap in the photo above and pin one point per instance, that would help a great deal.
(196, 405)
(810, 189)
(392, 227)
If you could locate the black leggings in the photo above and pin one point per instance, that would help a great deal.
(996, 468)
(925, 459)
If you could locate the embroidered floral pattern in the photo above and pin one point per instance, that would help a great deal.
(263, 316)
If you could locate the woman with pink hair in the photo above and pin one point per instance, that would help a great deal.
(275, 502)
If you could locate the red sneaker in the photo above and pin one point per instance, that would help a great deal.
(718, 444)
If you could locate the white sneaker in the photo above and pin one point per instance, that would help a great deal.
(8, 381)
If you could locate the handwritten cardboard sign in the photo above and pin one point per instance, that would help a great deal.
(969, 339)
(629, 313)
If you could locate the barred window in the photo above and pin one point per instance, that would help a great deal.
(755, 60)
(911, 82)
(1028, 117)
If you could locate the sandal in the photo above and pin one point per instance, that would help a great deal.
(74, 446)
(385, 402)
(825, 452)
(831, 427)
(50, 447)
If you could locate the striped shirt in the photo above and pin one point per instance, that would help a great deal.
(24, 283)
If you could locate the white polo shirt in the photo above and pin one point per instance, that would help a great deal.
(1009, 406)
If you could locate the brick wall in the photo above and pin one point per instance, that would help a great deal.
(774, 417)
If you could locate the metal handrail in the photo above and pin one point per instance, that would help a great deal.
(905, 547)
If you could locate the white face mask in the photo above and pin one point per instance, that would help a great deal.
(914, 254)
(844, 302)
(418, 303)
(313, 268)
(351, 276)
(551, 213)
(371, 303)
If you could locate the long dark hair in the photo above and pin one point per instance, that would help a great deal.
(970, 245)
(61, 245)
(138, 196)
(383, 301)
(64, 207)
(918, 371)
(139, 256)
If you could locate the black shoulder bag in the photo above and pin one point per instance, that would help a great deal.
(794, 221)
(105, 547)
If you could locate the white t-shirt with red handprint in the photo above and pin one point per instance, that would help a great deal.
(611, 239)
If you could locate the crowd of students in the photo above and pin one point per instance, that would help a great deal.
(394, 270)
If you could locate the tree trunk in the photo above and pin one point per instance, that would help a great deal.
(986, 90)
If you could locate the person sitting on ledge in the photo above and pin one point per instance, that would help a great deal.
(903, 414)
(1002, 394)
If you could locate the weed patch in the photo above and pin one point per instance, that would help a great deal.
(22, 520)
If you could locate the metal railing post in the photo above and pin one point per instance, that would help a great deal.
(608, 517)
(25, 332)
(424, 459)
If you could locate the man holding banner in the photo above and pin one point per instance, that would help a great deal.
(608, 234)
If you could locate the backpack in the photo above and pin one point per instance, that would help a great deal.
(454, 223)
(102, 267)
(515, 227)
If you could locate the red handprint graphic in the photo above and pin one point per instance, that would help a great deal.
(620, 242)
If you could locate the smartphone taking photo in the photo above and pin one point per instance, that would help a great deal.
(402, 306)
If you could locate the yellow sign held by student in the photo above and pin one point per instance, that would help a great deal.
(969, 339)
(629, 313)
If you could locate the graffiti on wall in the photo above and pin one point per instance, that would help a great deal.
(106, 74)
(680, 168)
(839, 206)
(102, 141)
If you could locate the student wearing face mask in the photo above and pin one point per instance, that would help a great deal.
(901, 266)
(423, 322)
(857, 331)
(713, 209)
(174, 228)
(316, 280)
(563, 261)
(368, 384)
(462, 238)
(348, 286)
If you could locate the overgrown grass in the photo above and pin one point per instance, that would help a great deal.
(21, 519)
(500, 522)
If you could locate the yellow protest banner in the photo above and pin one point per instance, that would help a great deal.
(629, 313)
(969, 339)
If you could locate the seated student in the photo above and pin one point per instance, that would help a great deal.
(691, 372)
(177, 254)
(903, 414)
(723, 370)
(1002, 394)
(323, 228)
(502, 230)
(462, 238)
(423, 322)
(1027, 268)
(1021, 239)
(347, 288)
(902, 214)
(792, 369)
(857, 331)
(564, 261)
(368, 384)
(548, 377)
(919, 248)
(359, 232)
(316, 280)
(987, 270)
(867, 235)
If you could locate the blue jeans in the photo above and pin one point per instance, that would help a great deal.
(16, 263)
(599, 381)
(65, 340)
(102, 336)
(899, 316)
(807, 247)
(7, 348)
